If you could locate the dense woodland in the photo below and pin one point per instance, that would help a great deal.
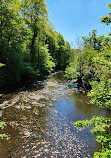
(29, 45)
(91, 67)
(30, 48)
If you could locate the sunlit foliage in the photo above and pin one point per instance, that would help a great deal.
(24, 33)
(2, 124)
(92, 66)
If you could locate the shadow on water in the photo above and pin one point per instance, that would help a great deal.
(40, 122)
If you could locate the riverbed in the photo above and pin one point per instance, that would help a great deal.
(40, 121)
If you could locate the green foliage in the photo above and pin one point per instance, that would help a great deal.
(29, 45)
(92, 41)
(46, 63)
(101, 126)
(82, 67)
(11, 38)
(2, 124)
(101, 96)
(63, 52)
(24, 33)
(29, 72)
(106, 19)
(70, 73)
(2, 64)
(34, 13)
(93, 65)
(101, 93)
(4, 136)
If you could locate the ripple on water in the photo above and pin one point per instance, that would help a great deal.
(55, 140)
(38, 129)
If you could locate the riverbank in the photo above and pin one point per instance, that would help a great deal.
(42, 119)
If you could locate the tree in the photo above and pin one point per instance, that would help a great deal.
(33, 12)
(93, 41)
(63, 52)
(101, 96)
(106, 19)
(46, 61)
(11, 39)
(27, 38)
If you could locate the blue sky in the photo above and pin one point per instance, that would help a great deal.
(76, 18)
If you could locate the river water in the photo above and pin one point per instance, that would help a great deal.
(40, 122)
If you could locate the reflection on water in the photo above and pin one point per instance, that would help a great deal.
(40, 122)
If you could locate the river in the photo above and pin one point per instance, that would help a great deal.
(40, 121)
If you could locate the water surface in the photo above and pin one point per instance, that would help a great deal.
(40, 122)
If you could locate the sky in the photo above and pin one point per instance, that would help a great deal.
(76, 18)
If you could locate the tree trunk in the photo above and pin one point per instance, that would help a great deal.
(32, 50)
